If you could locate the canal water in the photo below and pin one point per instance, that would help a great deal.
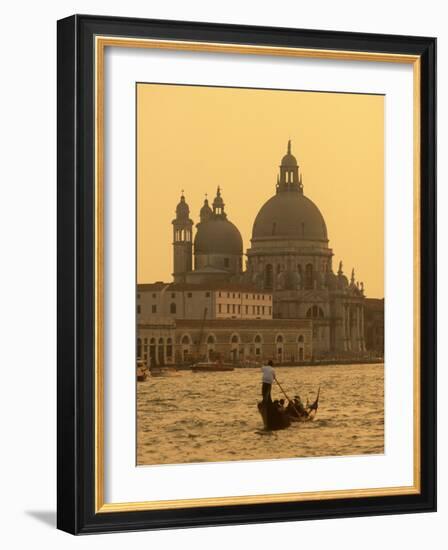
(213, 417)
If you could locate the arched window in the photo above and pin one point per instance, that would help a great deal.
(257, 339)
(172, 307)
(300, 338)
(268, 279)
(309, 276)
(160, 352)
(279, 339)
(139, 348)
(211, 339)
(185, 340)
(169, 348)
(235, 339)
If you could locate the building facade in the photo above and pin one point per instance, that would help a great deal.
(237, 341)
(289, 278)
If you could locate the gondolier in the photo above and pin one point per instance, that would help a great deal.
(268, 377)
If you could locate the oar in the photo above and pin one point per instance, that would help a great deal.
(286, 395)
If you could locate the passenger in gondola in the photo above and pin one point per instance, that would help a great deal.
(299, 406)
(268, 377)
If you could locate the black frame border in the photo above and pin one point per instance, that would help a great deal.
(76, 268)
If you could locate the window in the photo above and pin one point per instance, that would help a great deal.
(301, 339)
(239, 309)
(270, 310)
(257, 339)
(315, 312)
(309, 276)
(207, 294)
(173, 308)
(138, 309)
(247, 309)
(154, 308)
(189, 295)
(219, 308)
(139, 348)
(233, 295)
(153, 295)
(262, 310)
(169, 348)
(228, 308)
(138, 296)
(219, 294)
(173, 295)
(233, 308)
(268, 278)
(279, 339)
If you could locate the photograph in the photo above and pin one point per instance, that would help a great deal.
(260, 274)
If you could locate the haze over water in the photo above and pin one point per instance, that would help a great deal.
(213, 417)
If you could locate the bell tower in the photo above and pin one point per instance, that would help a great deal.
(182, 241)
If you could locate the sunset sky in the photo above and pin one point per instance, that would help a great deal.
(196, 138)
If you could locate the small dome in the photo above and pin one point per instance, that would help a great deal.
(331, 280)
(343, 281)
(205, 212)
(218, 236)
(291, 216)
(289, 160)
(182, 209)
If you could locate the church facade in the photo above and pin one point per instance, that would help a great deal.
(289, 274)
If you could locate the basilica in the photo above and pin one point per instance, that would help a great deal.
(282, 298)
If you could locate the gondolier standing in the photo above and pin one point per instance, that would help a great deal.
(268, 377)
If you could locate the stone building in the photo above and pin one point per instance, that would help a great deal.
(239, 341)
(374, 326)
(289, 278)
(202, 301)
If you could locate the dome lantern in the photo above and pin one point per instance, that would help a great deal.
(218, 204)
(289, 178)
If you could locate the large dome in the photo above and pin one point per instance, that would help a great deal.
(218, 236)
(290, 215)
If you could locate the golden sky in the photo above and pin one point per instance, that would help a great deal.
(196, 138)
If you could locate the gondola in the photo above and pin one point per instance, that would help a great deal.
(275, 418)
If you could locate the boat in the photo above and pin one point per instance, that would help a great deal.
(276, 417)
(163, 371)
(273, 417)
(212, 367)
(142, 371)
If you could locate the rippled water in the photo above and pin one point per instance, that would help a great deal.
(203, 417)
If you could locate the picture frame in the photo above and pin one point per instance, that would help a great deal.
(82, 202)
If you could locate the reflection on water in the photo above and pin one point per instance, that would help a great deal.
(213, 417)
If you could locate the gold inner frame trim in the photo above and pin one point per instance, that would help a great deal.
(101, 42)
